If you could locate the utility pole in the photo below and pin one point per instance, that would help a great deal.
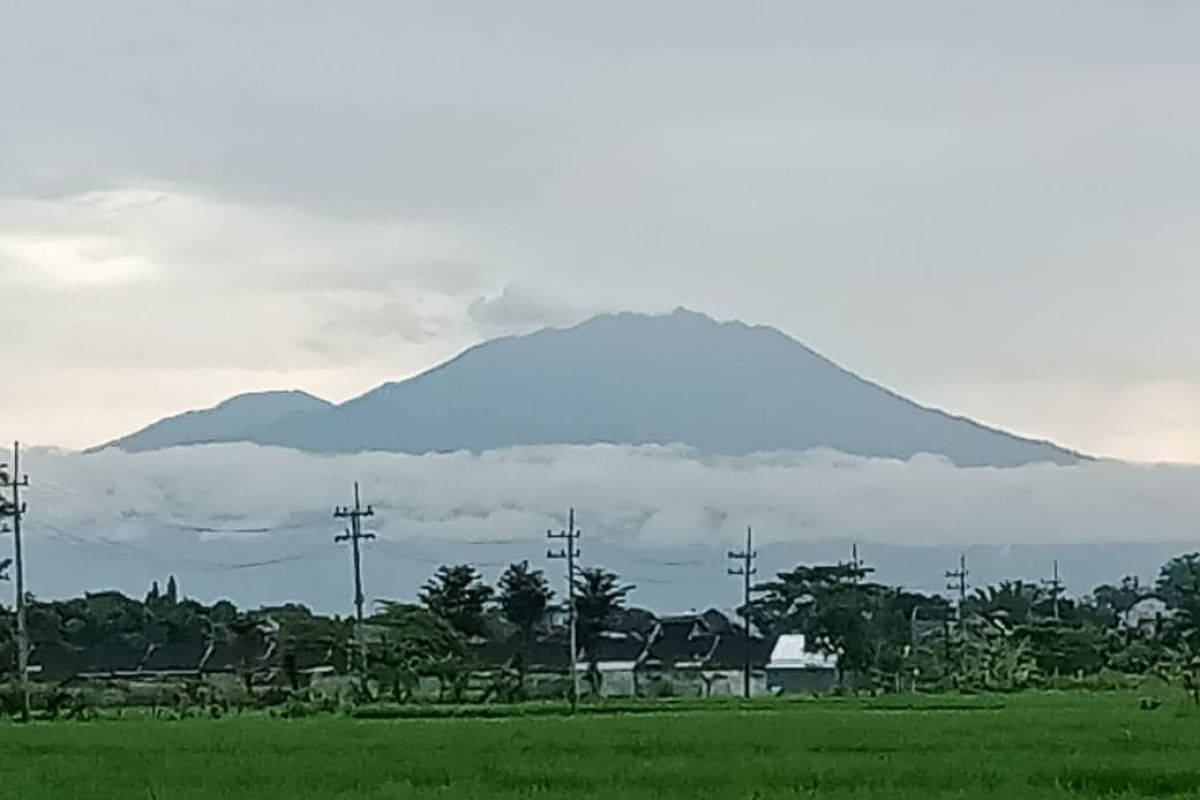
(1055, 587)
(958, 581)
(570, 552)
(856, 563)
(746, 571)
(353, 535)
(15, 509)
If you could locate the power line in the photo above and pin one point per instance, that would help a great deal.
(15, 509)
(93, 506)
(746, 571)
(570, 552)
(497, 541)
(111, 548)
(392, 550)
(686, 563)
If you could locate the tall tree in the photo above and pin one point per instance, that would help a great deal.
(416, 642)
(599, 597)
(1014, 601)
(458, 595)
(1179, 586)
(524, 595)
(1179, 582)
(172, 591)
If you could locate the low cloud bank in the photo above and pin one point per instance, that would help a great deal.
(647, 495)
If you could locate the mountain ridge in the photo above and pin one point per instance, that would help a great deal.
(683, 378)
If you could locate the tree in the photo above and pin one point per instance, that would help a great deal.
(172, 591)
(1179, 586)
(458, 595)
(868, 625)
(417, 641)
(524, 596)
(598, 600)
(248, 644)
(1014, 601)
(1110, 602)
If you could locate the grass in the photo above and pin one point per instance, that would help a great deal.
(1027, 746)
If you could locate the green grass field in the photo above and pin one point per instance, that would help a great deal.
(1032, 746)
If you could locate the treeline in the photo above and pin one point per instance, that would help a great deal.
(443, 636)
(1010, 635)
(1006, 636)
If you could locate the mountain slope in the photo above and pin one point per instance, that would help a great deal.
(722, 388)
(232, 420)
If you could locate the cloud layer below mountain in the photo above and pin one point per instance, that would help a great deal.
(651, 496)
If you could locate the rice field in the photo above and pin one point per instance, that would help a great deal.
(1031, 746)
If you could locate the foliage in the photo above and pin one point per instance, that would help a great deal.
(867, 624)
(1179, 585)
(1015, 601)
(524, 596)
(1110, 602)
(599, 597)
(458, 595)
(414, 642)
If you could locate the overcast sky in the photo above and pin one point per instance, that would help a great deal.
(989, 207)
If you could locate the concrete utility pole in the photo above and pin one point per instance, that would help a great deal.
(1055, 587)
(958, 582)
(15, 509)
(746, 571)
(570, 552)
(857, 563)
(354, 535)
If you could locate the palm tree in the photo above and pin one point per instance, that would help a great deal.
(598, 598)
(1012, 600)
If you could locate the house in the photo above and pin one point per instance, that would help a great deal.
(688, 654)
(1147, 615)
(705, 654)
(622, 658)
(795, 668)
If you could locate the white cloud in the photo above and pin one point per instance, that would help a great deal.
(111, 286)
(639, 496)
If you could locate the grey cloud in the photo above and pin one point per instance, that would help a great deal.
(1007, 191)
(519, 309)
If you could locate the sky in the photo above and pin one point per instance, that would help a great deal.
(988, 207)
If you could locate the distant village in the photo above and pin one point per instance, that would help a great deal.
(814, 629)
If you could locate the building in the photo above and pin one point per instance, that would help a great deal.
(1147, 615)
(794, 668)
(691, 654)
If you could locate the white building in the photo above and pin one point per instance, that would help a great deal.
(1147, 615)
(795, 668)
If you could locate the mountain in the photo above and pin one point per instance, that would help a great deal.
(233, 420)
(720, 387)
